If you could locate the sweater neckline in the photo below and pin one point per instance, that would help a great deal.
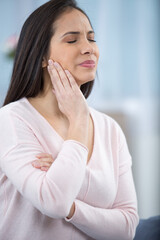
(61, 139)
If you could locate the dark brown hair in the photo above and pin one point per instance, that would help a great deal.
(27, 76)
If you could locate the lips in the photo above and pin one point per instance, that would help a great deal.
(88, 64)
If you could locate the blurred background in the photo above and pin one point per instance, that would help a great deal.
(128, 84)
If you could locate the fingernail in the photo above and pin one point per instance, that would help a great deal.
(66, 71)
(44, 169)
(53, 91)
(36, 164)
(56, 64)
(50, 62)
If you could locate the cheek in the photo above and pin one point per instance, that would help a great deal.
(97, 52)
(63, 58)
(66, 63)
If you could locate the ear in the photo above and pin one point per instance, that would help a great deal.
(44, 62)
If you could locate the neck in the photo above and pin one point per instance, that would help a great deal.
(46, 102)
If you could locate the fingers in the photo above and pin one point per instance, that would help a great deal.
(41, 163)
(58, 76)
(71, 80)
(54, 77)
(44, 161)
(44, 169)
(62, 75)
(44, 155)
(58, 73)
(67, 92)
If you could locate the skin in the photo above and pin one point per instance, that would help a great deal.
(63, 77)
(70, 55)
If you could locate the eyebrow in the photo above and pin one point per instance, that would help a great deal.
(75, 33)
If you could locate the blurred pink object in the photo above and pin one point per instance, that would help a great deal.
(11, 45)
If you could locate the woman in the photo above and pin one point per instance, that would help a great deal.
(65, 168)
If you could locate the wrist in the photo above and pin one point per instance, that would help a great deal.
(79, 120)
(78, 130)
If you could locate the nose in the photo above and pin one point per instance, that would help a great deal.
(87, 47)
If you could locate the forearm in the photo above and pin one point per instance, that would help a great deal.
(54, 192)
(105, 224)
(115, 222)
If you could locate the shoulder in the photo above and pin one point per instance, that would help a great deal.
(16, 126)
(10, 123)
(15, 118)
(16, 112)
(6, 114)
(17, 108)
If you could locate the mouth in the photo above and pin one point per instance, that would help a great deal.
(88, 64)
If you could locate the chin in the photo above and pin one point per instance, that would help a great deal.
(84, 79)
(81, 82)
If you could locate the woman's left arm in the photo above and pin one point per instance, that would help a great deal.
(120, 221)
(116, 223)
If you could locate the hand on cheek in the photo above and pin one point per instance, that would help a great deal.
(67, 92)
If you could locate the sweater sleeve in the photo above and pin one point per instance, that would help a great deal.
(53, 192)
(120, 221)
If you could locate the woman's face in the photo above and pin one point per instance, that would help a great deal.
(73, 44)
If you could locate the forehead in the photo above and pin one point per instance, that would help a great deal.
(72, 20)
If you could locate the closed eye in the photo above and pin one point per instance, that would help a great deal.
(91, 40)
(72, 41)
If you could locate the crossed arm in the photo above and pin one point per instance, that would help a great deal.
(119, 222)
(43, 163)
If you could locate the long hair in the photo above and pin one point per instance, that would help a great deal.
(27, 75)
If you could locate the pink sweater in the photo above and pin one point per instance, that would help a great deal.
(34, 204)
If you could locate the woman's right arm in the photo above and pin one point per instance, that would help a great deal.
(71, 102)
(54, 192)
